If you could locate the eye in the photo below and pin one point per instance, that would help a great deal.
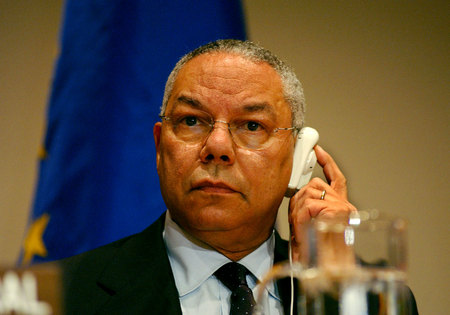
(190, 120)
(252, 126)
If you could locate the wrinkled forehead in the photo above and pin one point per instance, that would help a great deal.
(229, 79)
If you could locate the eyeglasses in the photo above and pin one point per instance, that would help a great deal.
(248, 134)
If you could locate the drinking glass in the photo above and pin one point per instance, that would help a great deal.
(352, 265)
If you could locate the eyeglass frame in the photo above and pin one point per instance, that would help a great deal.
(213, 123)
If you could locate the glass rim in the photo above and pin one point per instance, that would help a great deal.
(361, 220)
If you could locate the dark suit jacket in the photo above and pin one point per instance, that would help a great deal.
(133, 276)
(130, 276)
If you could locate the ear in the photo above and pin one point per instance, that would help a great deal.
(157, 137)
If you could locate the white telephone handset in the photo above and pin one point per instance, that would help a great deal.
(304, 160)
(303, 164)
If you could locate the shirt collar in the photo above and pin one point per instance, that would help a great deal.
(193, 262)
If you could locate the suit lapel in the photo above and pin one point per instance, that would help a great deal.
(139, 278)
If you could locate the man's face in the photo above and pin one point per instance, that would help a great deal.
(223, 194)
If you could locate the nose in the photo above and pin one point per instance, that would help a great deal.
(219, 146)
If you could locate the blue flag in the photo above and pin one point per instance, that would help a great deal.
(97, 175)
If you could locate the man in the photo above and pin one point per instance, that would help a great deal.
(225, 144)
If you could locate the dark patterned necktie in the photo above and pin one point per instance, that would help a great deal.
(233, 275)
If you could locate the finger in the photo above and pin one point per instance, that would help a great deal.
(307, 203)
(313, 190)
(302, 207)
(312, 208)
(317, 186)
(316, 192)
(332, 172)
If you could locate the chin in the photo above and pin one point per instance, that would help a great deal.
(218, 220)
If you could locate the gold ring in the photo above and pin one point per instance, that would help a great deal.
(322, 196)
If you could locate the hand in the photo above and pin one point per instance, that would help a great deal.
(307, 204)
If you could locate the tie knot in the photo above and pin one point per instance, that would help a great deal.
(232, 275)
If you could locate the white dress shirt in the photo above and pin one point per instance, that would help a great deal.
(194, 263)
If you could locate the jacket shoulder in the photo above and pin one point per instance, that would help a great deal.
(108, 278)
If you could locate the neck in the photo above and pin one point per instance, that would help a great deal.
(233, 244)
(235, 255)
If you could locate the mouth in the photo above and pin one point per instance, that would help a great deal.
(213, 187)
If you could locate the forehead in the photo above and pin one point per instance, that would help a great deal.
(229, 81)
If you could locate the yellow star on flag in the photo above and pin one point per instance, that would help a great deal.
(33, 243)
(42, 154)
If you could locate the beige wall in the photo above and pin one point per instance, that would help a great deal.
(376, 80)
(28, 47)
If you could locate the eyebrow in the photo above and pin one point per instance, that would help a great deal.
(258, 107)
(249, 108)
(190, 101)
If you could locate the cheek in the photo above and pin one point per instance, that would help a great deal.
(268, 173)
(176, 162)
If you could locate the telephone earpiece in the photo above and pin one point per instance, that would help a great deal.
(304, 160)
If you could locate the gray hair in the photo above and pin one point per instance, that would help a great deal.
(292, 88)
